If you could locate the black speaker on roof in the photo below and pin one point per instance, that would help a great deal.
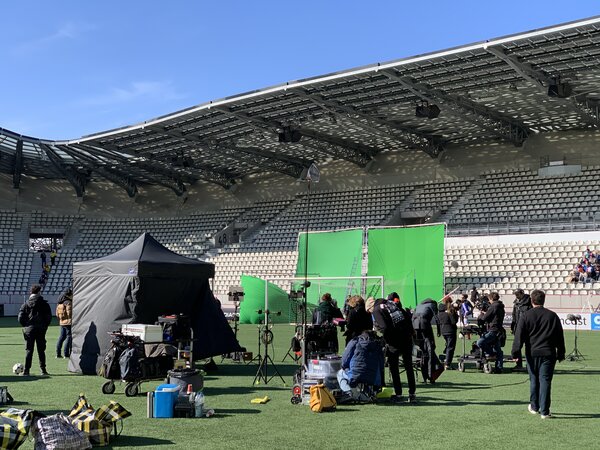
(427, 111)
(290, 135)
(560, 90)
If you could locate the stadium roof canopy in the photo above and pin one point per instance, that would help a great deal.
(502, 89)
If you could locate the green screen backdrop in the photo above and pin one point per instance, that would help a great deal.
(331, 254)
(254, 300)
(410, 259)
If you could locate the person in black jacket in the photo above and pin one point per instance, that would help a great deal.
(540, 330)
(394, 322)
(35, 317)
(426, 313)
(357, 319)
(326, 311)
(447, 319)
(521, 304)
(491, 342)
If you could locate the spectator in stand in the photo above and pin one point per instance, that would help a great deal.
(521, 304)
(357, 319)
(53, 255)
(541, 332)
(447, 319)
(43, 258)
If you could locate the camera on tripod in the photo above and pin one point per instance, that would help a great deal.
(236, 294)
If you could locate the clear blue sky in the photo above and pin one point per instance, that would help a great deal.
(70, 68)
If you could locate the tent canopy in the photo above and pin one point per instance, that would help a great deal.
(144, 257)
(137, 284)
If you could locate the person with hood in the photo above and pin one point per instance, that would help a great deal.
(492, 341)
(521, 304)
(326, 311)
(357, 319)
(35, 317)
(362, 362)
(394, 322)
(64, 313)
(424, 314)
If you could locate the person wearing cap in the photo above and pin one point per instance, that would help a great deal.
(394, 322)
(521, 304)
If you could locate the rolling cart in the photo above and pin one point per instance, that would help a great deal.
(141, 368)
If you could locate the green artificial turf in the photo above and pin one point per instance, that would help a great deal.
(462, 410)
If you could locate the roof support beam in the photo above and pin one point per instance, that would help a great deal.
(541, 79)
(195, 172)
(407, 136)
(358, 154)
(77, 180)
(502, 126)
(264, 159)
(98, 166)
(172, 179)
(18, 167)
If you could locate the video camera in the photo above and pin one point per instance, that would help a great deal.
(236, 294)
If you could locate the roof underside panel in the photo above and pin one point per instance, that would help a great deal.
(485, 92)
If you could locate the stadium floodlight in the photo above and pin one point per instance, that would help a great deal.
(427, 111)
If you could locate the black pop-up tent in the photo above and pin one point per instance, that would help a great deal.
(136, 285)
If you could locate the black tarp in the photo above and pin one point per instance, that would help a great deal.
(136, 285)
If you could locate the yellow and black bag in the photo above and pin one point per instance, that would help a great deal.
(321, 400)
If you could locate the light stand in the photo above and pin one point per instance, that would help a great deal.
(575, 355)
(312, 174)
(236, 296)
(266, 336)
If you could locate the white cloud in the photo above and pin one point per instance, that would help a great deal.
(137, 90)
(67, 31)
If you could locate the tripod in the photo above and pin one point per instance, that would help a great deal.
(235, 356)
(265, 335)
(575, 355)
(295, 357)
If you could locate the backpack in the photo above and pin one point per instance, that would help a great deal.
(321, 400)
(129, 362)
(398, 315)
(110, 367)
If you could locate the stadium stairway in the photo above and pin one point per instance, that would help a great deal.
(463, 200)
(21, 235)
(394, 217)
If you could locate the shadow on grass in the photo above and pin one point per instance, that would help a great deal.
(138, 441)
(241, 390)
(576, 372)
(221, 413)
(445, 386)
(576, 416)
(444, 402)
(286, 370)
